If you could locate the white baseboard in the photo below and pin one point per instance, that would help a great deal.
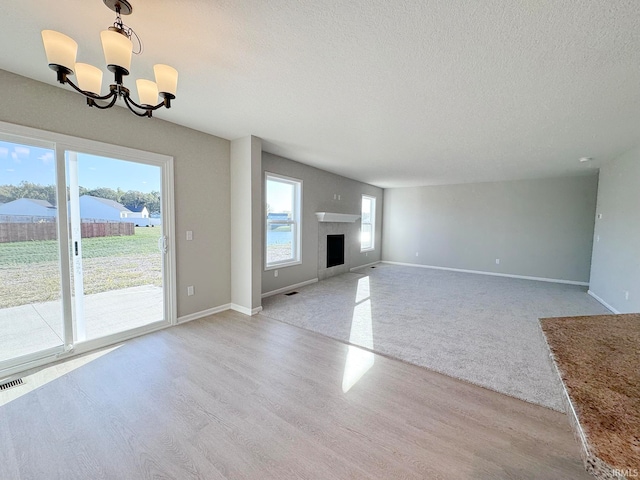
(290, 287)
(609, 307)
(204, 313)
(493, 274)
(364, 266)
(245, 310)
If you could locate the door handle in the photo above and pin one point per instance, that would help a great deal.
(76, 248)
(162, 244)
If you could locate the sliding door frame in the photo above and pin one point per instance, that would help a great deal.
(61, 144)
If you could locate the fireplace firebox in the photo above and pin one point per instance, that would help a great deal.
(335, 250)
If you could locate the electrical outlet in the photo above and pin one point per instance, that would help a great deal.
(417, 254)
(626, 294)
(189, 235)
(497, 261)
(597, 238)
(190, 291)
(275, 273)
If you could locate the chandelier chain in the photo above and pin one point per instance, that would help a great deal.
(129, 32)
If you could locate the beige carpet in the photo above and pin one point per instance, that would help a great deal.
(478, 328)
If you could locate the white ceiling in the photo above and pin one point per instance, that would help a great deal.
(390, 92)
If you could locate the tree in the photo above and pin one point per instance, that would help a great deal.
(104, 192)
(25, 189)
(130, 199)
(134, 199)
(7, 193)
(153, 202)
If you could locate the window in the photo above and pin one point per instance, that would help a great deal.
(283, 205)
(368, 224)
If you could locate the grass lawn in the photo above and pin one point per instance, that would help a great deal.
(29, 270)
(144, 242)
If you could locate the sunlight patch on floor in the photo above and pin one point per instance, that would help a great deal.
(48, 374)
(359, 361)
(364, 291)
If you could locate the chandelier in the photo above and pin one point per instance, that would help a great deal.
(61, 53)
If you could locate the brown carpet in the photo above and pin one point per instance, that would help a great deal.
(599, 360)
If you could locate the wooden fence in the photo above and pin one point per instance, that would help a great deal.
(26, 232)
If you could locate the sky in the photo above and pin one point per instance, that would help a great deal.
(280, 196)
(20, 163)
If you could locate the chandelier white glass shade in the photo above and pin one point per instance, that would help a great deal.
(89, 78)
(147, 92)
(117, 50)
(117, 46)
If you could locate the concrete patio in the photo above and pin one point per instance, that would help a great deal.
(31, 328)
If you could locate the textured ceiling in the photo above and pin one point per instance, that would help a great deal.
(394, 93)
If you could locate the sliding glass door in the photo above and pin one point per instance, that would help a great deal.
(31, 321)
(117, 244)
(85, 246)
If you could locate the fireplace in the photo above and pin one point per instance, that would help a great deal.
(337, 242)
(335, 250)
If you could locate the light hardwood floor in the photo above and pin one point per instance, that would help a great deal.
(234, 397)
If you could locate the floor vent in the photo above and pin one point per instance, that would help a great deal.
(291, 293)
(13, 383)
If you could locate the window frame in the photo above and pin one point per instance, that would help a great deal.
(372, 222)
(295, 222)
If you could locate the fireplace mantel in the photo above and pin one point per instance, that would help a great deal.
(336, 217)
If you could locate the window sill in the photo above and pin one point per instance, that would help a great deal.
(275, 266)
(365, 250)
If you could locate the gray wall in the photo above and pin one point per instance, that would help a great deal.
(201, 176)
(539, 228)
(317, 196)
(615, 266)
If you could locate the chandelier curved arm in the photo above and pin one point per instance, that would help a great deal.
(90, 95)
(92, 103)
(148, 109)
(130, 104)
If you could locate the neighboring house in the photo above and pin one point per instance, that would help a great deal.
(277, 216)
(155, 219)
(91, 208)
(138, 212)
(97, 208)
(142, 217)
(29, 207)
